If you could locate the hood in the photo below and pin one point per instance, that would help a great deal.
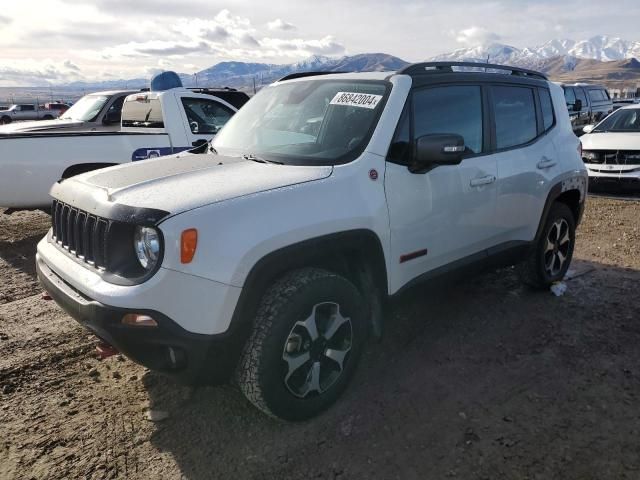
(611, 141)
(181, 182)
(39, 126)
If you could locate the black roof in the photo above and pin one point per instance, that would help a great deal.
(447, 67)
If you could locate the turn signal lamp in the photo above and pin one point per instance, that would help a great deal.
(188, 244)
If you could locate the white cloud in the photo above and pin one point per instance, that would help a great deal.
(69, 65)
(279, 24)
(121, 38)
(474, 36)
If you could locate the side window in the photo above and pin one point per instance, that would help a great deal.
(515, 116)
(580, 95)
(452, 109)
(595, 95)
(205, 116)
(570, 97)
(28, 108)
(116, 107)
(547, 108)
(400, 148)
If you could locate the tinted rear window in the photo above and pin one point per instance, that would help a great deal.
(547, 108)
(515, 116)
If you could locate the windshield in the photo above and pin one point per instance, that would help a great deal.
(86, 109)
(307, 122)
(624, 120)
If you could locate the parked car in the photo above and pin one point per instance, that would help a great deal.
(26, 111)
(98, 111)
(270, 255)
(611, 149)
(587, 104)
(153, 124)
(623, 102)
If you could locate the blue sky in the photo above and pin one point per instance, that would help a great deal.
(62, 40)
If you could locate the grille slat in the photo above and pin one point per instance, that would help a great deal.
(82, 234)
(615, 157)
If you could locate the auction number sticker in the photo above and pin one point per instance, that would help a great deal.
(362, 100)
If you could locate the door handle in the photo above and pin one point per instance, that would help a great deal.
(477, 182)
(546, 163)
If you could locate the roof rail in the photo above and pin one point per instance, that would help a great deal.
(446, 67)
(212, 89)
(291, 76)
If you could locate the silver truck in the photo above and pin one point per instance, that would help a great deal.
(27, 111)
(98, 111)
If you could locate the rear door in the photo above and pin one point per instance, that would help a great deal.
(525, 156)
(447, 213)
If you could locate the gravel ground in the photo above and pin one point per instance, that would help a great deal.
(479, 380)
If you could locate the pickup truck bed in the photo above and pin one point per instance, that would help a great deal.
(37, 161)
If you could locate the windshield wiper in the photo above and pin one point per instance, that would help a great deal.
(253, 158)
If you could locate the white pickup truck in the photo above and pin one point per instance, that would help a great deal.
(153, 124)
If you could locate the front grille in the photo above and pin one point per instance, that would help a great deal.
(81, 234)
(614, 157)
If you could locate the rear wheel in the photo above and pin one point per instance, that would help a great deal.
(307, 337)
(550, 258)
(47, 117)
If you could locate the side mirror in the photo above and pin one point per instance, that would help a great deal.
(437, 149)
(588, 128)
(577, 107)
(111, 118)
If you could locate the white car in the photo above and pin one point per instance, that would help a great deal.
(611, 149)
(270, 257)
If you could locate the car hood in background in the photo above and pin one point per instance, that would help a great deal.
(179, 183)
(611, 141)
(39, 126)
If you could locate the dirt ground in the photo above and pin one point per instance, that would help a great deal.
(480, 380)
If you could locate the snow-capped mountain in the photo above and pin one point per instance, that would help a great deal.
(601, 47)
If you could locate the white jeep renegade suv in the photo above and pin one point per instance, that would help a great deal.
(269, 258)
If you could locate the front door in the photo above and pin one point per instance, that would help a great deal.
(448, 213)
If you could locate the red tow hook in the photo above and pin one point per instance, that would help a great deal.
(105, 350)
(45, 296)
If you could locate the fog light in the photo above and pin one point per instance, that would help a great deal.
(138, 320)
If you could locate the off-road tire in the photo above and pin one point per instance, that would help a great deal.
(262, 370)
(532, 270)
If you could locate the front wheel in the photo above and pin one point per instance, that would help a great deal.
(550, 258)
(5, 120)
(307, 337)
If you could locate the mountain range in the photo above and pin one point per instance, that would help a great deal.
(613, 58)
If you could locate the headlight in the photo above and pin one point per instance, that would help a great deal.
(586, 155)
(146, 242)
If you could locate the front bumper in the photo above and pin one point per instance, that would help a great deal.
(168, 348)
(608, 176)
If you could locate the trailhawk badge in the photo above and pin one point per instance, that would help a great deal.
(363, 100)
